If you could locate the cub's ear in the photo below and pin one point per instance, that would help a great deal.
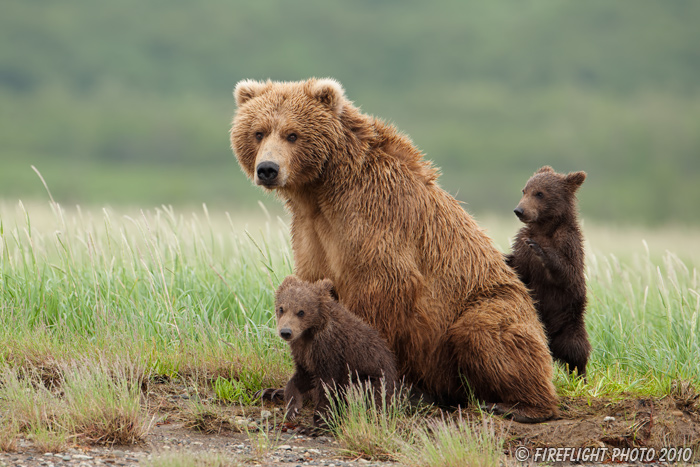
(545, 169)
(326, 287)
(575, 179)
(248, 89)
(288, 282)
(329, 92)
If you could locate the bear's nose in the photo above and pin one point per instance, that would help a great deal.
(286, 333)
(268, 171)
(519, 212)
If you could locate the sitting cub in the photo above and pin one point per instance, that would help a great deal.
(330, 346)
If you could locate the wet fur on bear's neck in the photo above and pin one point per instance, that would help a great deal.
(364, 137)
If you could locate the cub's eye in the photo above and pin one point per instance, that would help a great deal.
(301, 313)
(259, 136)
(292, 137)
(540, 195)
(281, 310)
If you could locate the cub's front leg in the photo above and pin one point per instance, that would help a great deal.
(301, 383)
(536, 248)
(556, 266)
(321, 404)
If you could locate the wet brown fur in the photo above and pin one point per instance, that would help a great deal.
(367, 213)
(548, 256)
(330, 346)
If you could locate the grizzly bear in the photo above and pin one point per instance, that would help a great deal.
(368, 213)
(548, 257)
(330, 346)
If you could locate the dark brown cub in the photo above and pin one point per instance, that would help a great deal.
(330, 346)
(548, 257)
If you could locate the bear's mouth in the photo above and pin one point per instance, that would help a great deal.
(267, 184)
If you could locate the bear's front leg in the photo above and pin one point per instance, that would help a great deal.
(310, 261)
(301, 383)
(509, 258)
(322, 404)
(536, 248)
(554, 264)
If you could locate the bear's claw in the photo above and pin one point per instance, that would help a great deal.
(536, 248)
(517, 415)
(270, 394)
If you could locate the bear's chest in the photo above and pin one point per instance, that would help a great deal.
(319, 243)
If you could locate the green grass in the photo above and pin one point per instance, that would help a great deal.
(93, 302)
(454, 443)
(643, 321)
(89, 402)
(179, 295)
(370, 428)
(411, 433)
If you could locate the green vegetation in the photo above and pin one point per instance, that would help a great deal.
(98, 304)
(233, 390)
(176, 294)
(454, 443)
(95, 404)
(372, 426)
(130, 102)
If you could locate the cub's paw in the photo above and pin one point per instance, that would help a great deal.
(270, 394)
(292, 412)
(508, 258)
(312, 431)
(320, 426)
(535, 247)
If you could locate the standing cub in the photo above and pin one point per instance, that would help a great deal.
(548, 257)
(330, 346)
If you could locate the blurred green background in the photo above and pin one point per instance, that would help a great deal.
(129, 102)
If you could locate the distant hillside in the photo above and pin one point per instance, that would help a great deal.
(130, 102)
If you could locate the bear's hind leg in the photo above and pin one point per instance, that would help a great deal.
(505, 360)
(572, 348)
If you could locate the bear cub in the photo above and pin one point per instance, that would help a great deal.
(548, 257)
(330, 346)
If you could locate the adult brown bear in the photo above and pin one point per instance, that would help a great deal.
(368, 214)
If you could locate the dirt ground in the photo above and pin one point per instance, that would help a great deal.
(670, 422)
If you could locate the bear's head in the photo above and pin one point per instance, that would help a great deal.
(284, 132)
(299, 307)
(548, 195)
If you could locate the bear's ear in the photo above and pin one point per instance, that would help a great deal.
(326, 287)
(288, 282)
(248, 89)
(575, 179)
(329, 92)
(544, 170)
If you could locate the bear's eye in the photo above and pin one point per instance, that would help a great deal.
(301, 313)
(540, 195)
(292, 137)
(281, 310)
(259, 136)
